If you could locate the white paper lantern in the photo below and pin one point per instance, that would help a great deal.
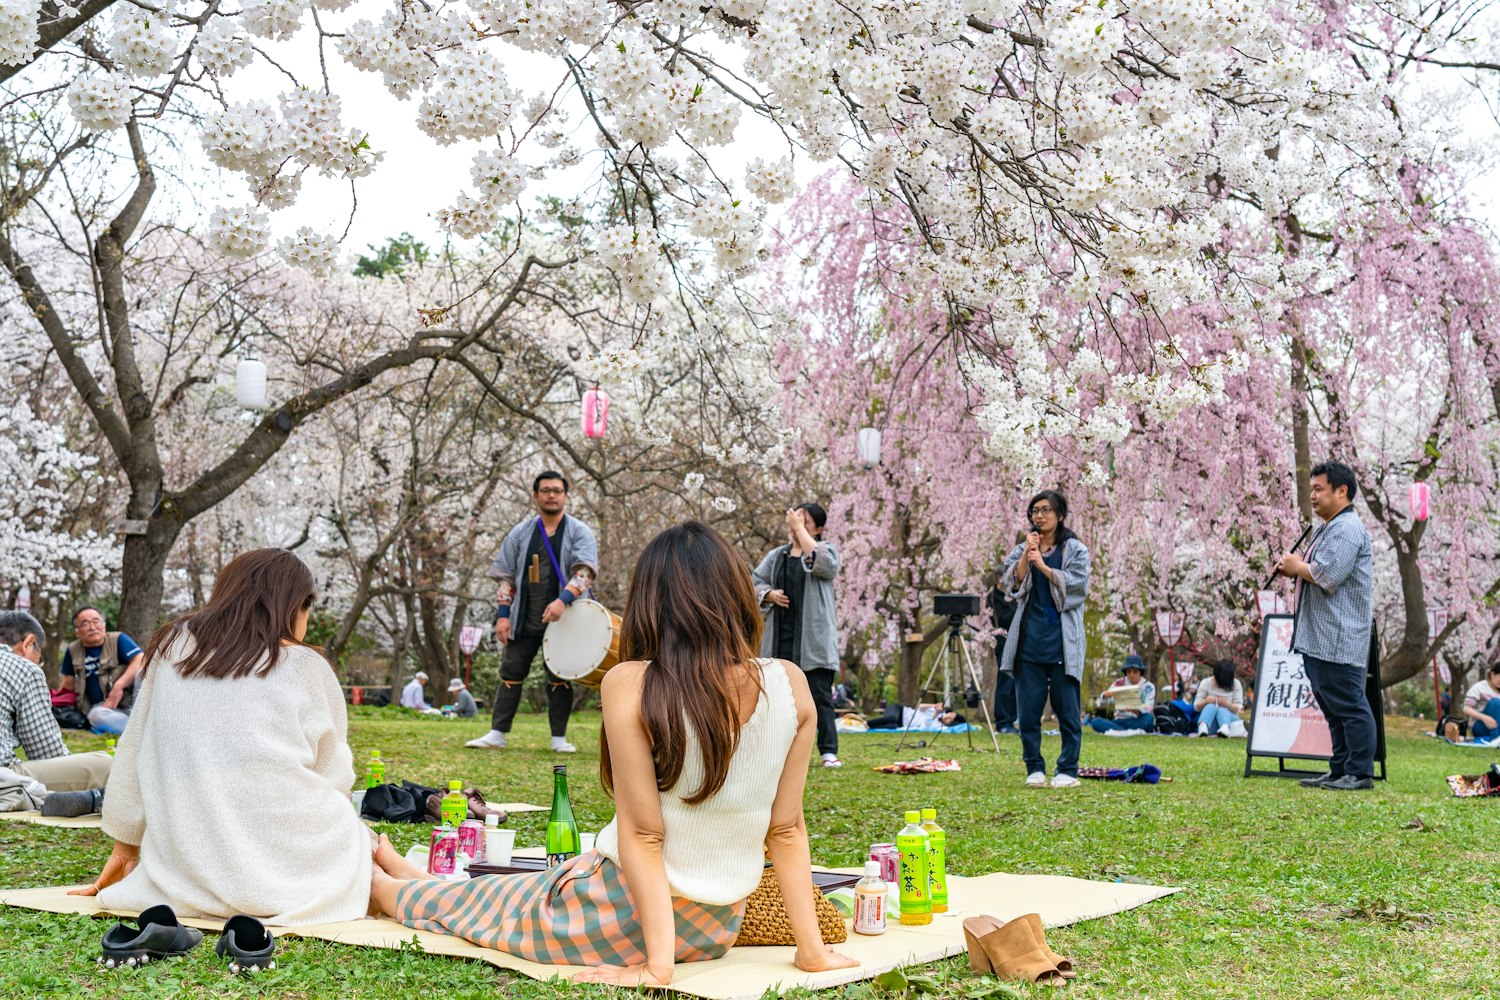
(23, 598)
(868, 442)
(250, 384)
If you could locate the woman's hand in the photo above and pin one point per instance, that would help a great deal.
(625, 975)
(122, 861)
(824, 961)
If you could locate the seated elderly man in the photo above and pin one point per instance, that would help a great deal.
(412, 695)
(26, 719)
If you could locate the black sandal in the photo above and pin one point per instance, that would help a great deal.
(158, 935)
(247, 944)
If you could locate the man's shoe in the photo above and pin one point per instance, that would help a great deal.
(71, 804)
(1007, 731)
(1319, 781)
(1350, 783)
(1036, 779)
(560, 744)
(831, 760)
(491, 740)
(1064, 781)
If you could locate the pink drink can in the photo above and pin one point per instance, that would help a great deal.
(888, 857)
(442, 851)
(471, 839)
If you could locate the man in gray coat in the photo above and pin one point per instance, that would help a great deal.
(1335, 611)
(795, 585)
(545, 564)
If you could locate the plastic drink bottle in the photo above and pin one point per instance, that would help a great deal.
(916, 899)
(869, 901)
(937, 860)
(455, 808)
(375, 773)
(562, 830)
(109, 746)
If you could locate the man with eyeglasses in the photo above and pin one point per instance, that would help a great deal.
(102, 667)
(530, 597)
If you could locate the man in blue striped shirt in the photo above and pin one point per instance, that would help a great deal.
(1335, 607)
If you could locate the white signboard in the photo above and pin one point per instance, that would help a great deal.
(1287, 721)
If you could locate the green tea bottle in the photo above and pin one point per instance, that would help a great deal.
(911, 844)
(109, 746)
(937, 860)
(375, 773)
(455, 807)
(562, 830)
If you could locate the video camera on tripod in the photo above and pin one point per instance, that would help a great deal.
(955, 607)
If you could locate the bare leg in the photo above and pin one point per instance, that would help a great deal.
(383, 891)
(394, 864)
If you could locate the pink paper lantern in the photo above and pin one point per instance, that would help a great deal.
(595, 412)
(1421, 502)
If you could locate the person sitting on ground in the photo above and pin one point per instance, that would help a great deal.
(705, 751)
(231, 787)
(1132, 674)
(1482, 704)
(463, 702)
(412, 696)
(109, 663)
(899, 716)
(27, 722)
(1219, 702)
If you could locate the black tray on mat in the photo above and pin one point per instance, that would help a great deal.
(826, 881)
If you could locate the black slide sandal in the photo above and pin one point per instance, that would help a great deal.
(158, 935)
(247, 944)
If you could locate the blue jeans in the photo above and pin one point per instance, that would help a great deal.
(1034, 683)
(1340, 692)
(1481, 731)
(1145, 721)
(1216, 717)
(1005, 695)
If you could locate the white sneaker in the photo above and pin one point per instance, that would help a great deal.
(560, 744)
(1036, 779)
(831, 760)
(1202, 731)
(1063, 781)
(1236, 730)
(492, 740)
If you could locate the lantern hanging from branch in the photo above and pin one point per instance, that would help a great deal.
(595, 412)
(868, 443)
(1421, 502)
(23, 598)
(250, 383)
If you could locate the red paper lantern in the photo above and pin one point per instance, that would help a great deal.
(1421, 502)
(595, 412)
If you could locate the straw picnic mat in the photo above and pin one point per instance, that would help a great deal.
(745, 972)
(91, 821)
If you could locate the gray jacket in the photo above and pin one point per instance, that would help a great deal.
(1070, 589)
(578, 549)
(1334, 613)
(820, 630)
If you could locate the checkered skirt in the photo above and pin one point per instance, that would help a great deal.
(579, 913)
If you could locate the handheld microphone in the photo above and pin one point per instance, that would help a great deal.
(1300, 539)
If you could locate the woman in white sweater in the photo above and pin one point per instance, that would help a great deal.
(705, 749)
(230, 789)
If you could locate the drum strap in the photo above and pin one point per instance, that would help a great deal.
(562, 581)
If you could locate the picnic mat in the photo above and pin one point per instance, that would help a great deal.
(745, 972)
(89, 822)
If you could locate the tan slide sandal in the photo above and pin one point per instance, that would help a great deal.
(1010, 951)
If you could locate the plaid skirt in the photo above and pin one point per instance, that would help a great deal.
(579, 913)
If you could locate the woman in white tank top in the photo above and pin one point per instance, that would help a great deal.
(705, 750)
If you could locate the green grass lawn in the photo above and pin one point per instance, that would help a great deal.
(1289, 892)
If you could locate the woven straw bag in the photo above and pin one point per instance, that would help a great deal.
(766, 922)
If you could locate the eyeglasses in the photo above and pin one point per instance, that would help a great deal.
(552, 492)
(1040, 510)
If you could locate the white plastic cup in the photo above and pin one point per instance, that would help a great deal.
(359, 800)
(499, 844)
(585, 842)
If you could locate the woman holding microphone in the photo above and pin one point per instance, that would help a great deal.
(1047, 576)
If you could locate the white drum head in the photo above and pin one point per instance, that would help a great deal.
(578, 641)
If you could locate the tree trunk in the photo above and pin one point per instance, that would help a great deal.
(1301, 445)
(1411, 654)
(142, 572)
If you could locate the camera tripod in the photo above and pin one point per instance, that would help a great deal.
(955, 651)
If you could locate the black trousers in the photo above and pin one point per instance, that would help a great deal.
(1036, 683)
(1006, 712)
(1340, 692)
(821, 682)
(514, 666)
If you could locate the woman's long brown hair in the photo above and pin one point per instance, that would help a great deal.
(248, 618)
(691, 613)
